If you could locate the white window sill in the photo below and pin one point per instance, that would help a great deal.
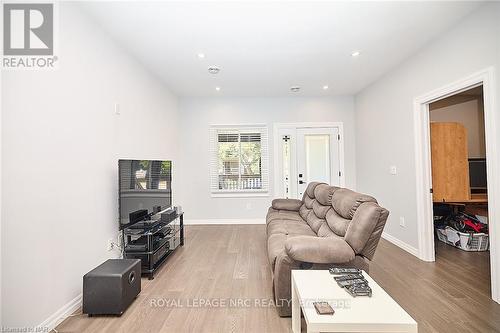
(241, 194)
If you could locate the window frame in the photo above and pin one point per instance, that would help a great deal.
(215, 130)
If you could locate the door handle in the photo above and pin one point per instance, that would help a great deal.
(301, 182)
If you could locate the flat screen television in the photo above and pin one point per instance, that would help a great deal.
(145, 188)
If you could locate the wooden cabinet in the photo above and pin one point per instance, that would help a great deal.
(450, 164)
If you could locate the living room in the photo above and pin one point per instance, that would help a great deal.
(244, 103)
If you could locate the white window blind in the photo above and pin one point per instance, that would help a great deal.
(240, 159)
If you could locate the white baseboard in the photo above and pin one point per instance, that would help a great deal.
(224, 221)
(61, 314)
(399, 243)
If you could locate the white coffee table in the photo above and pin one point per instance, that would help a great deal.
(379, 313)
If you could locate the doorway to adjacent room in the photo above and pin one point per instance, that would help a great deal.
(449, 175)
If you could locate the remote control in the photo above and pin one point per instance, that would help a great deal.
(352, 282)
(359, 290)
(348, 277)
(343, 270)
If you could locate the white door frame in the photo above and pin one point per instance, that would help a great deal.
(485, 77)
(277, 159)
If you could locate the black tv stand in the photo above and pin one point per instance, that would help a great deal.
(153, 242)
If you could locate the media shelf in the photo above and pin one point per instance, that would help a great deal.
(153, 242)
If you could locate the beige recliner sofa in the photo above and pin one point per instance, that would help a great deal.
(329, 226)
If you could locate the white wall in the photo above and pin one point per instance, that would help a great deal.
(61, 141)
(384, 112)
(198, 114)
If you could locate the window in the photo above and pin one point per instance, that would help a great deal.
(239, 159)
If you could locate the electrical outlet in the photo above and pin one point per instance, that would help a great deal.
(393, 170)
(111, 244)
(249, 205)
(402, 221)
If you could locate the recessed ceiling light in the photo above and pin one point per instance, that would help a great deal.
(355, 53)
(295, 88)
(217, 88)
(213, 69)
(325, 87)
(201, 55)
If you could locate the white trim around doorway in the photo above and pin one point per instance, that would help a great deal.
(426, 250)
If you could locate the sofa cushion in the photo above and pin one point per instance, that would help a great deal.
(314, 222)
(323, 193)
(337, 223)
(325, 231)
(287, 204)
(279, 232)
(304, 212)
(289, 227)
(345, 202)
(309, 202)
(320, 210)
(310, 189)
(274, 214)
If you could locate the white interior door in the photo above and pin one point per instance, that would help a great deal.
(318, 157)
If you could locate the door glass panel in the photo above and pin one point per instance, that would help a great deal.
(317, 157)
(286, 166)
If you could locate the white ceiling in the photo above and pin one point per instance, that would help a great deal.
(263, 48)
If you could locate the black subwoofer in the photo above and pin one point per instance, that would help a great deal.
(111, 287)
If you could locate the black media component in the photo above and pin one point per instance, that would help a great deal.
(111, 287)
(168, 216)
(153, 241)
(138, 215)
(477, 174)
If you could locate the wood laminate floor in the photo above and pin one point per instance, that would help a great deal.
(223, 264)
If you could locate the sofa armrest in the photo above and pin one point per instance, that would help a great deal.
(319, 250)
(287, 204)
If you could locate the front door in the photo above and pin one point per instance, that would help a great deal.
(317, 157)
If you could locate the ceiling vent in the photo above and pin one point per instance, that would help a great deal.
(213, 69)
(295, 89)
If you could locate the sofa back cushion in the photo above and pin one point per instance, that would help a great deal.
(317, 199)
(323, 193)
(346, 202)
(310, 189)
(320, 210)
(337, 223)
